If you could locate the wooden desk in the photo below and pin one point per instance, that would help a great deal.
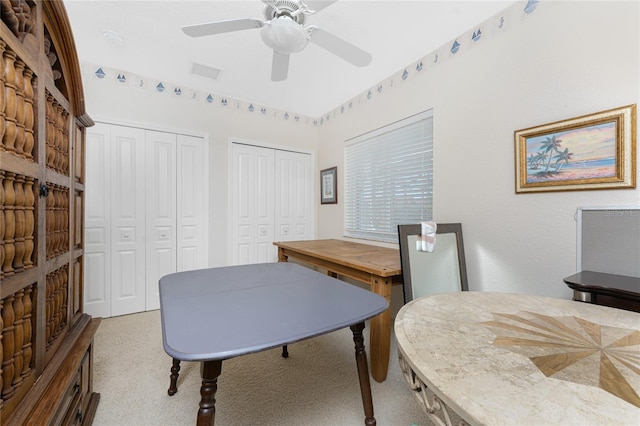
(211, 315)
(617, 291)
(516, 359)
(379, 267)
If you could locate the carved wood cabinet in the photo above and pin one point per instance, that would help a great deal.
(46, 341)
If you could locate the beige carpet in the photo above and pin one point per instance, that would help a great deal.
(316, 385)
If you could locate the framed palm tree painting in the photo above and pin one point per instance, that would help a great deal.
(596, 151)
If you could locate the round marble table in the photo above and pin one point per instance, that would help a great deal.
(498, 358)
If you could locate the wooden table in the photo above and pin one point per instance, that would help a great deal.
(379, 267)
(210, 315)
(617, 291)
(500, 358)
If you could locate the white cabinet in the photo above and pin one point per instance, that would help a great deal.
(147, 217)
(272, 199)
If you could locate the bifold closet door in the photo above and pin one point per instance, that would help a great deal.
(160, 212)
(115, 221)
(175, 219)
(115, 209)
(253, 189)
(294, 196)
(145, 215)
(97, 247)
(128, 212)
(272, 200)
(191, 204)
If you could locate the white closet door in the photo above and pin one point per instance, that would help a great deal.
(252, 205)
(264, 213)
(127, 220)
(294, 213)
(97, 251)
(146, 215)
(160, 212)
(192, 199)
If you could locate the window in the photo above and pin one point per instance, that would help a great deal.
(389, 178)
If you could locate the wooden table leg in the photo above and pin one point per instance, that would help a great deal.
(207, 412)
(175, 372)
(380, 338)
(281, 256)
(363, 374)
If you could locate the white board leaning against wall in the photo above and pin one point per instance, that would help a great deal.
(608, 240)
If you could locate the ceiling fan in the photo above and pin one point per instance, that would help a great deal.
(283, 31)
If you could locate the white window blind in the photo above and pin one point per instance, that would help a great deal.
(389, 178)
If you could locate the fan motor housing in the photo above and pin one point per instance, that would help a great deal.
(283, 8)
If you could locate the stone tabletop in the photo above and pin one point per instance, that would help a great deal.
(498, 358)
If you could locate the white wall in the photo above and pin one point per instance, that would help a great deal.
(567, 59)
(564, 60)
(114, 102)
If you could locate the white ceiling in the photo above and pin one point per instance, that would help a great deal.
(396, 33)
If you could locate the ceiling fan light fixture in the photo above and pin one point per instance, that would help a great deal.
(284, 35)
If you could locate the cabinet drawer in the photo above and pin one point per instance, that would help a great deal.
(70, 399)
(74, 415)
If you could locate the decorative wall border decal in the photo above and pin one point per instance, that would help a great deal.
(479, 34)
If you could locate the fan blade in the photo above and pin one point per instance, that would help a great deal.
(340, 47)
(280, 66)
(219, 27)
(318, 5)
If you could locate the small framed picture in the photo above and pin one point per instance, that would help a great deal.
(329, 186)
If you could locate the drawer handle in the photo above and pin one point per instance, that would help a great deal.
(79, 415)
(76, 388)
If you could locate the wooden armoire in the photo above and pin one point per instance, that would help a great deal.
(46, 341)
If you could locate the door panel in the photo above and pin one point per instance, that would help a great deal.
(160, 253)
(127, 220)
(97, 271)
(242, 205)
(263, 184)
(272, 200)
(294, 215)
(146, 215)
(252, 205)
(192, 245)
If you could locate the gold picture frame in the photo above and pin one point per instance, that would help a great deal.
(595, 151)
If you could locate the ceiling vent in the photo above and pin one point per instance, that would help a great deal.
(205, 71)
